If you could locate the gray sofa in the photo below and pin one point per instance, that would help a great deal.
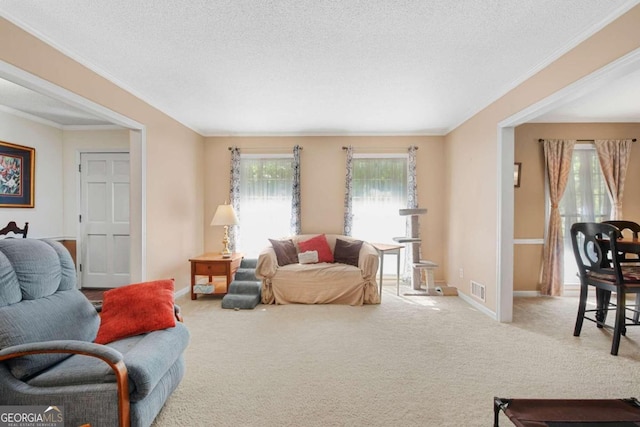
(47, 320)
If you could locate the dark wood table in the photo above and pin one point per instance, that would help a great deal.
(626, 245)
(629, 246)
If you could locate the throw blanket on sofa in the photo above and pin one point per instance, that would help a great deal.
(320, 283)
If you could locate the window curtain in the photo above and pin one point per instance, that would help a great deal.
(557, 155)
(614, 158)
(296, 223)
(234, 195)
(348, 194)
(412, 203)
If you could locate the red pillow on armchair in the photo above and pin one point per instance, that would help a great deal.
(136, 309)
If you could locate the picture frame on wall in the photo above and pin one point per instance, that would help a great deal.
(516, 174)
(17, 175)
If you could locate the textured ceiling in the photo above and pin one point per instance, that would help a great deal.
(243, 67)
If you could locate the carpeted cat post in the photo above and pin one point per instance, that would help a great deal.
(418, 265)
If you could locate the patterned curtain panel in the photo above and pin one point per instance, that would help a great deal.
(412, 186)
(296, 223)
(614, 158)
(234, 195)
(348, 194)
(558, 155)
(412, 203)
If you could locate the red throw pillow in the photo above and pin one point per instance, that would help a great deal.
(320, 244)
(136, 309)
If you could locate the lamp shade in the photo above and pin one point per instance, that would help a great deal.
(225, 215)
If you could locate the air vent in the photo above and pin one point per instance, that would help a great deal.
(477, 290)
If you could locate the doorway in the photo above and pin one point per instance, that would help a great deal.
(137, 150)
(607, 74)
(104, 241)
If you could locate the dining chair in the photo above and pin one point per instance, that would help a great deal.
(12, 227)
(592, 243)
(633, 228)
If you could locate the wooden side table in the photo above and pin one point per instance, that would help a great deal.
(213, 264)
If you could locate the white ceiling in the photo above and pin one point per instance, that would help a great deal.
(15, 98)
(263, 67)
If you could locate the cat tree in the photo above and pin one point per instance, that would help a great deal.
(418, 265)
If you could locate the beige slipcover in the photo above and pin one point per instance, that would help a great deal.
(322, 283)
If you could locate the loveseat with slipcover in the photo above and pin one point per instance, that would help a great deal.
(319, 269)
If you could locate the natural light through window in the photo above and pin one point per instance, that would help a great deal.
(379, 191)
(585, 200)
(266, 185)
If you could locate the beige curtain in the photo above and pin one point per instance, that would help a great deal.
(614, 157)
(557, 155)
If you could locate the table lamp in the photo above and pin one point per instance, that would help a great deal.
(226, 216)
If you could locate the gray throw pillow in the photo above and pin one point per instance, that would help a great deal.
(286, 252)
(347, 252)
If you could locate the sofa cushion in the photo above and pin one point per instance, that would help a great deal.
(147, 357)
(31, 269)
(136, 309)
(347, 252)
(65, 315)
(286, 252)
(318, 243)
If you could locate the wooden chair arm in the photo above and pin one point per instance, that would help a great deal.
(110, 356)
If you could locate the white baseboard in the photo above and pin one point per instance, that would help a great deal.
(181, 292)
(477, 305)
(526, 293)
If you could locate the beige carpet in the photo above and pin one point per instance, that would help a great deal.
(411, 361)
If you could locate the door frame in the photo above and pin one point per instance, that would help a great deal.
(505, 150)
(137, 153)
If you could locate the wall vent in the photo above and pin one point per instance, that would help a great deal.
(477, 290)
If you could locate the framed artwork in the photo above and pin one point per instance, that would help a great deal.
(17, 167)
(516, 174)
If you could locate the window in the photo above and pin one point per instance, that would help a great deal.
(585, 200)
(266, 186)
(379, 191)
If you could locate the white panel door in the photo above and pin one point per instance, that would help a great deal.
(104, 220)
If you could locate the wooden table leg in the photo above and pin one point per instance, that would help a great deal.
(193, 280)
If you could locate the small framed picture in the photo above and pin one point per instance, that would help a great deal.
(17, 167)
(516, 174)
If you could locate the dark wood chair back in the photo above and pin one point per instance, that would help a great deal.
(624, 225)
(12, 227)
(592, 243)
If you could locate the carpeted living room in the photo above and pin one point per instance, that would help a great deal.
(410, 361)
(304, 213)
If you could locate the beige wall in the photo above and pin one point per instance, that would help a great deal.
(472, 155)
(174, 166)
(46, 217)
(322, 176)
(529, 200)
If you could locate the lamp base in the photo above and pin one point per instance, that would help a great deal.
(226, 252)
